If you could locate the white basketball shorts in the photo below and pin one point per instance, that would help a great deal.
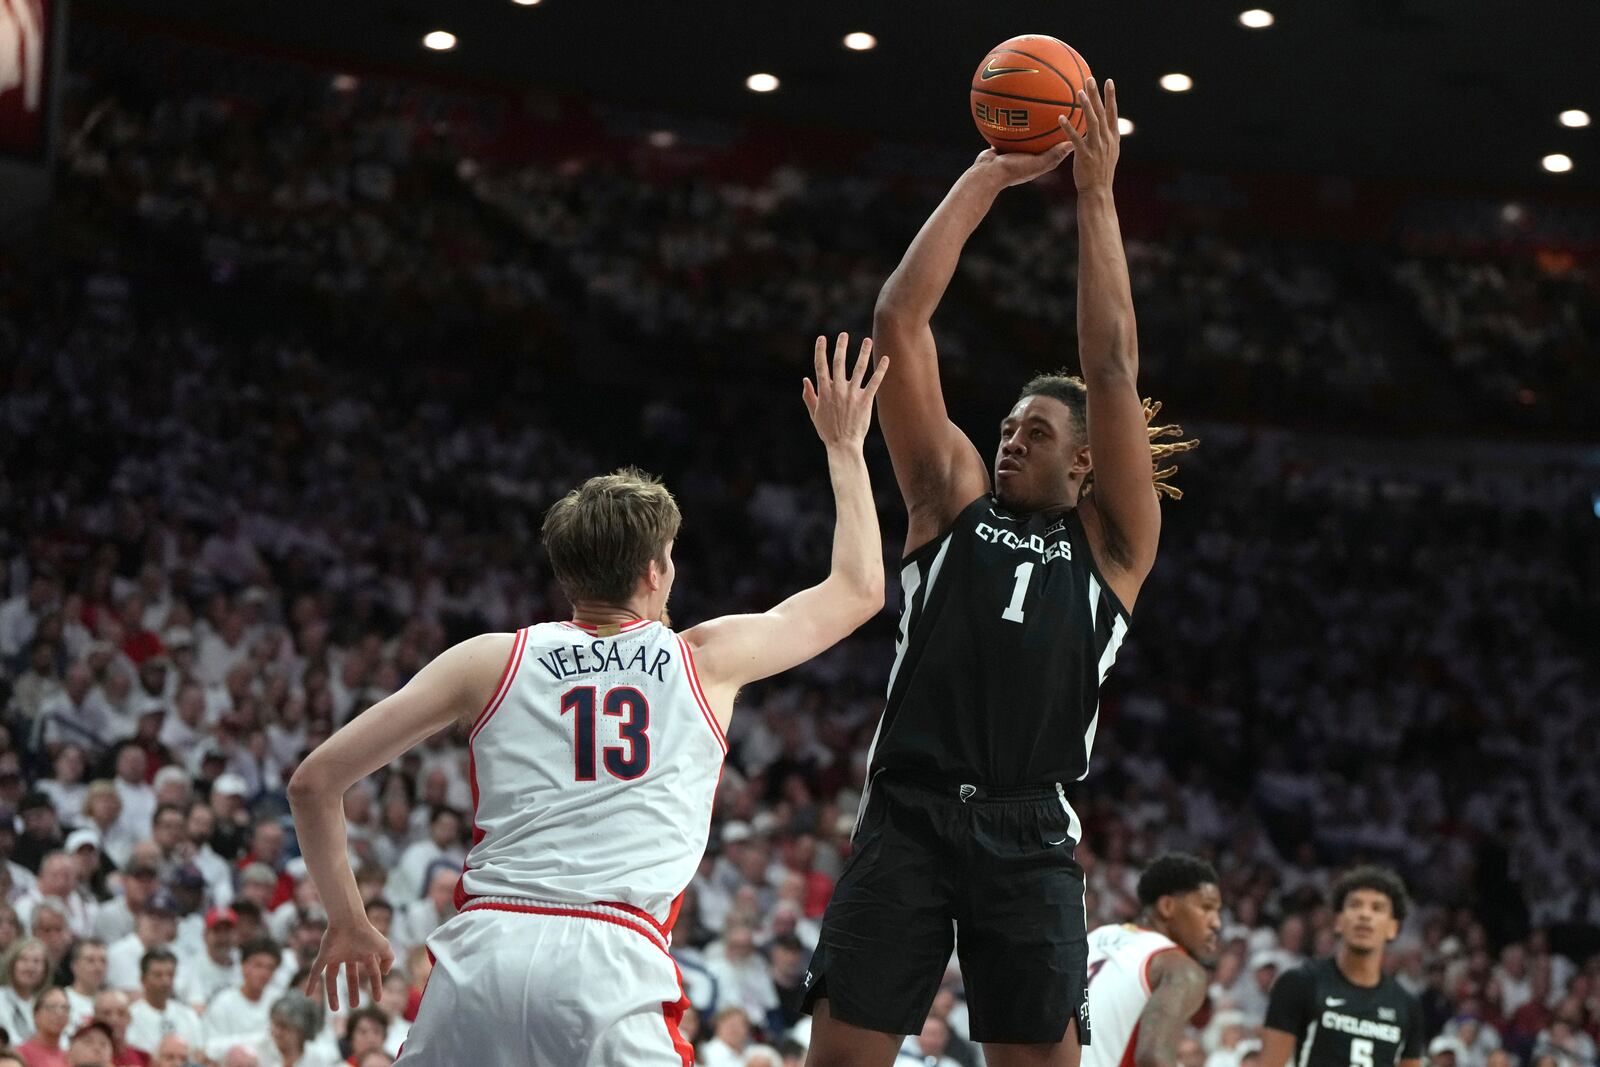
(524, 983)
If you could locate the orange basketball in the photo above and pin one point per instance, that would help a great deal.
(1020, 88)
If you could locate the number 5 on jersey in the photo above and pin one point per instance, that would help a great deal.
(625, 703)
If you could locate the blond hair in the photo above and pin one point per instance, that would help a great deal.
(602, 536)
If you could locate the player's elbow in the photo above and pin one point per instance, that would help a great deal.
(895, 310)
(869, 597)
(307, 783)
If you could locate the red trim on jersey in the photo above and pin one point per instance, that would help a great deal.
(673, 1013)
(655, 924)
(513, 661)
(590, 628)
(1144, 972)
(1130, 1054)
(574, 913)
(700, 696)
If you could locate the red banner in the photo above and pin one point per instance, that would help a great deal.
(25, 54)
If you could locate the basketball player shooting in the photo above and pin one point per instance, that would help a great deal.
(1017, 596)
(595, 747)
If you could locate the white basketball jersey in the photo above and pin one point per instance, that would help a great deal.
(593, 769)
(1119, 986)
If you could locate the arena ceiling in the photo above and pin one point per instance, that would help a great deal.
(1460, 91)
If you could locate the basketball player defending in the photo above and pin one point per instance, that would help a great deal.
(1345, 1011)
(1147, 979)
(594, 748)
(1016, 600)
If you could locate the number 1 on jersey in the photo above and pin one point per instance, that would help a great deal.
(1019, 592)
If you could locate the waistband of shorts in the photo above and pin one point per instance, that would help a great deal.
(625, 915)
(973, 792)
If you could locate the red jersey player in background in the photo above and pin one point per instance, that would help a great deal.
(1146, 979)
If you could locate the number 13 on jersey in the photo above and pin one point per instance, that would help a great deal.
(625, 703)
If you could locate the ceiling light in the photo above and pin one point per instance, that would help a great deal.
(1576, 118)
(439, 41)
(761, 83)
(1557, 162)
(860, 42)
(1177, 83)
(525, 3)
(1513, 214)
(345, 83)
(662, 139)
(1256, 19)
(1124, 126)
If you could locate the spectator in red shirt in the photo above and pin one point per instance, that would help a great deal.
(43, 1049)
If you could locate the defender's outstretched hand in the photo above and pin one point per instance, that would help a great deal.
(840, 403)
(1095, 150)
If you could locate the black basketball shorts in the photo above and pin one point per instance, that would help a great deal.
(990, 874)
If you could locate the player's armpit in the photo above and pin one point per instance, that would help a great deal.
(1277, 1047)
(938, 469)
(736, 650)
(1177, 989)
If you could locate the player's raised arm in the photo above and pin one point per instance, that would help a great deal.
(1122, 512)
(1177, 989)
(936, 465)
(737, 649)
(456, 684)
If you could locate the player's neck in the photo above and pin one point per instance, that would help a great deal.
(1363, 969)
(595, 614)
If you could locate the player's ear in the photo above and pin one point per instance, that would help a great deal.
(1081, 461)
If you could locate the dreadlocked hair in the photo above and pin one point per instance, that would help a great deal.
(1165, 441)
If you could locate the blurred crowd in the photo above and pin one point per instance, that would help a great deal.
(291, 381)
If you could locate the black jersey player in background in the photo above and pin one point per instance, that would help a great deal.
(1016, 600)
(1344, 1011)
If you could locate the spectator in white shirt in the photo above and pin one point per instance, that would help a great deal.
(173, 1051)
(102, 813)
(138, 799)
(117, 917)
(730, 1036)
(87, 962)
(58, 882)
(741, 971)
(160, 1013)
(156, 927)
(185, 727)
(50, 927)
(296, 1020)
(418, 919)
(199, 826)
(205, 974)
(24, 971)
(927, 1049)
(19, 616)
(240, 1016)
(408, 880)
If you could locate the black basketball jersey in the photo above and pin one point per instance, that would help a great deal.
(1006, 632)
(1336, 1023)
